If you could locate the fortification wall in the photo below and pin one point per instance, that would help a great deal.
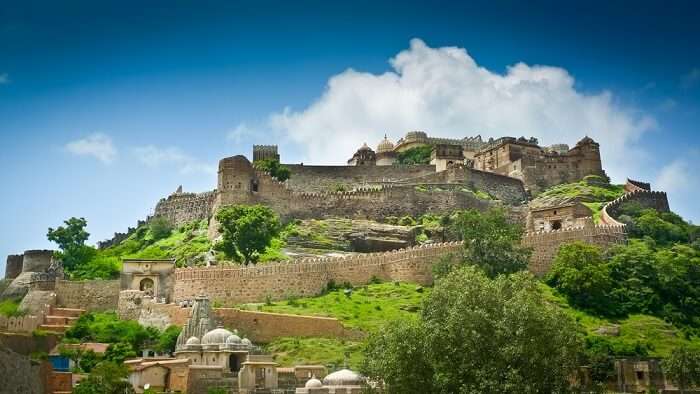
(180, 208)
(545, 245)
(13, 266)
(263, 327)
(307, 277)
(316, 179)
(91, 295)
(648, 199)
(633, 186)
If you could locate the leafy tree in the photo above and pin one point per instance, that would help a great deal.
(683, 367)
(246, 231)
(581, 274)
(398, 357)
(159, 228)
(118, 352)
(71, 240)
(478, 335)
(168, 339)
(107, 328)
(416, 155)
(491, 242)
(106, 378)
(633, 272)
(274, 168)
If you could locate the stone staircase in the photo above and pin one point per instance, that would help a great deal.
(58, 320)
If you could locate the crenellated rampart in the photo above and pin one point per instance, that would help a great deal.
(180, 208)
(545, 244)
(646, 198)
(308, 277)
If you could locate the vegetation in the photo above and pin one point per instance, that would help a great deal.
(471, 328)
(365, 308)
(664, 228)
(592, 188)
(274, 168)
(683, 367)
(290, 351)
(71, 240)
(416, 155)
(491, 242)
(10, 308)
(106, 378)
(247, 230)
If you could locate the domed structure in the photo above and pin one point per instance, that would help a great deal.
(364, 156)
(216, 336)
(233, 340)
(246, 341)
(344, 377)
(313, 383)
(385, 145)
(192, 341)
(385, 153)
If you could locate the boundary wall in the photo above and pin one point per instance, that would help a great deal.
(307, 277)
(646, 198)
(91, 295)
(545, 244)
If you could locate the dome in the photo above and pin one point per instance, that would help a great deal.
(192, 341)
(364, 147)
(385, 145)
(246, 341)
(344, 377)
(233, 340)
(313, 383)
(216, 336)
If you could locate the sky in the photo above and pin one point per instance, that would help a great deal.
(106, 107)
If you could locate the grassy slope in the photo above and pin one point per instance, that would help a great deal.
(591, 191)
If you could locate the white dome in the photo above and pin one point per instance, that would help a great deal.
(233, 340)
(192, 341)
(246, 341)
(385, 146)
(344, 377)
(313, 383)
(216, 336)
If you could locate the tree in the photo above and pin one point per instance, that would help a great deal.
(106, 378)
(479, 335)
(582, 275)
(683, 367)
(398, 357)
(168, 339)
(491, 242)
(246, 231)
(71, 240)
(159, 227)
(274, 168)
(415, 155)
(118, 352)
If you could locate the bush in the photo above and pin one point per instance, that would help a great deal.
(159, 228)
(417, 155)
(10, 308)
(274, 168)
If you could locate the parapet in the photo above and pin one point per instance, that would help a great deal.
(13, 267)
(632, 186)
(37, 260)
(265, 152)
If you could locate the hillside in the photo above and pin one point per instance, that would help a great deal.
(593, 191)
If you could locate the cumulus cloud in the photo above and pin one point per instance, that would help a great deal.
(444, 92)
(154, 157)
(691, 79)
(4, 78)
(682, 183)
(240, 133)
(96, 145)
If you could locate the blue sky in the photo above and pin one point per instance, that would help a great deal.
(105, 107)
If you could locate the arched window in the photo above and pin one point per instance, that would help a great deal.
(146, 285)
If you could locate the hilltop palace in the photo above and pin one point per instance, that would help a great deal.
(461, 174)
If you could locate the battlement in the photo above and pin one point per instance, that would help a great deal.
(308, 276)
(657, 200)
(180, 208)
(632, 185)
(265, 152)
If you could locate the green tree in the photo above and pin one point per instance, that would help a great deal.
(246, 231)
(581, 274)
(398, 357)
(683, 367)
(274, 168)
(479, 335)
(633, 271)
(159, 228)
(106, 378)
(168, 339)
(491, 242)
(416, 155)
(118, 352)
(71, 240)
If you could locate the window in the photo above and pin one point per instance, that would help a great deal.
(640, 375)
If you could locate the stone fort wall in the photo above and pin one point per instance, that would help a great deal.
(309, 276)
(545, 244)
(646, 198)
(316, 179)
(180, 208)
(91, 295)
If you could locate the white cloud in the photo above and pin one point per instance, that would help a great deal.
(444, 92)
(4, 78)
(681, 181)
(691, 79)
(97, 145)
(240, 133)
(155, 157)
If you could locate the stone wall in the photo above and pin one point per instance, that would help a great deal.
(263, 327)
(307, 277)
(91, 295)
(545, 245)
(646, 198)
(180, 208)
(20, 374)
(317, 179)
(26, 323)
(13, 266)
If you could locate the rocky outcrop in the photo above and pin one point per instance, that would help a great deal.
(20, 375)
(351, 236)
